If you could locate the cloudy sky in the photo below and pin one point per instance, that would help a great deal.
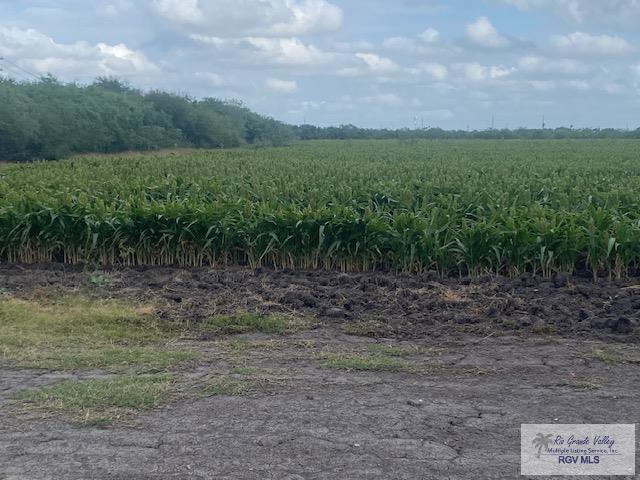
(375, 63)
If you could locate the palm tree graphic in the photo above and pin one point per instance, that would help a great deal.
(542, 441)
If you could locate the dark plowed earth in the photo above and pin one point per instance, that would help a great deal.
(402, 306)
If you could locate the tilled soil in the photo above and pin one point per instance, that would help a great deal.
(402, 306)
(496, 353)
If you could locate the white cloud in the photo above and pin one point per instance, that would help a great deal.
(119, 58)
(241, 18)
(477, 72)
(483, 33)
(602, 12)
(312, 104)
(573, 85)
(212, 79)
(399, 43)
(288, 51)
(276, 51)
(580, 43)
(116, 8)
(286, 86)
(350, 72)
(180, 11)
(369, 64)
(353, 47)
(426, 44)
(636, 70)
(613, 88)
(542, 85)
(439, 114)
(407, 46)
(577, 84)
(388, 99)
(309, 16)
(430, 35)
(542, 65)
(436, 71)
(376, 63)
(35, 51)
(391, 100)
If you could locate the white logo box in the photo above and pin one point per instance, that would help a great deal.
(578, 449)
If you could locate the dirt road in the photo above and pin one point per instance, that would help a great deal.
(465, 363)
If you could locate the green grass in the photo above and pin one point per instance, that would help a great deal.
(226, 385)
(81, 333)
(365, 362)
(612, 355)
(143, 359)
(450, 206)
(99, 401)
(100, 280)
(246, 371)
(248, 323)
(585, 384)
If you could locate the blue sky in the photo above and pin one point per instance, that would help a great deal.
(374, 63)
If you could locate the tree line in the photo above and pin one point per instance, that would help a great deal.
(49, 119)
(343, 132)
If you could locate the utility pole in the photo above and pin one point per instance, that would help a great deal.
(493, 121)
(543, 122)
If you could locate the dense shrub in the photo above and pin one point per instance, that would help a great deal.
(48, 119)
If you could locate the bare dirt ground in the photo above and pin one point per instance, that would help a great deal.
(482, 356)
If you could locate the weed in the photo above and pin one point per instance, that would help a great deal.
(76, 332)
(367, 328)
(99, 401)
(339, 361)
(225, 385)
(612, 355)
(391, 350)
(248, 323)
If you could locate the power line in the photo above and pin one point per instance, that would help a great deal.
(13, 72)
(15, 65)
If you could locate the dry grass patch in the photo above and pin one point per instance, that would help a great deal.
(392, 350)
(613, 355)
(249, 323)
(99, 401)
(227, 385)
(451, 296)
(77, 332)
(365, 362)
(584, 384)
(368, 328)
(270, 345)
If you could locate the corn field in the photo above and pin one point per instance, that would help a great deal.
(467, 207)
